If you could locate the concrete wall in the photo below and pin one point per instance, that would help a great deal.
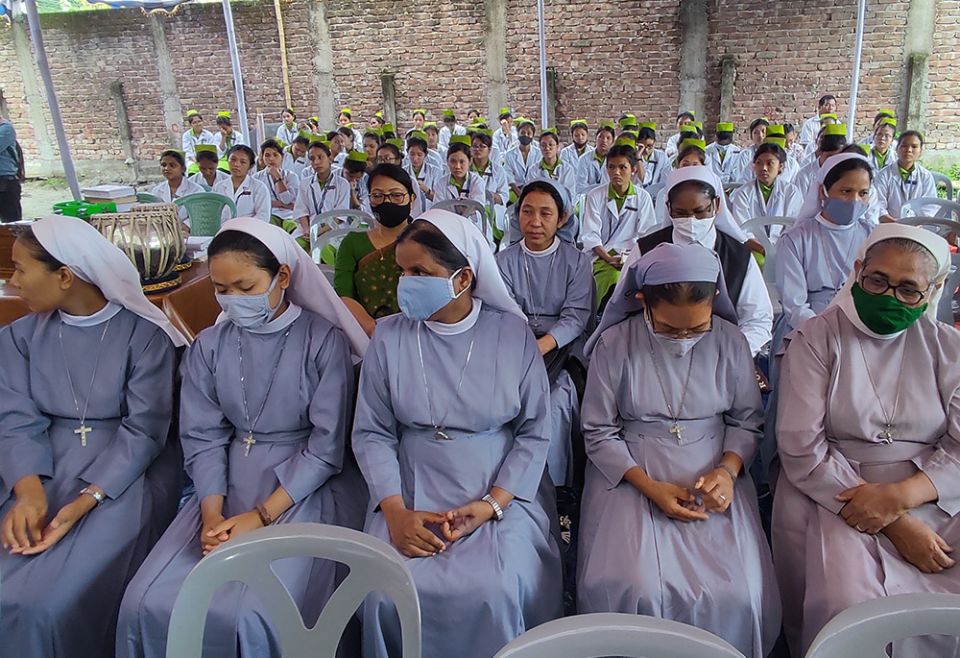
(609, 57)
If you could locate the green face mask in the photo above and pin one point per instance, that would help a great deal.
(884, 314)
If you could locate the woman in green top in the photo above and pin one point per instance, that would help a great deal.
(366, 272)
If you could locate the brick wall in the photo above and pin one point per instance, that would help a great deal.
(609, 57)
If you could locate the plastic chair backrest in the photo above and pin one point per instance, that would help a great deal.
(865, 630)
(466, 208)
(318, 242)
(374, 567)
(918, 208)
(938, 225)
(654, 191)
(616, 634)
(941, 179)
(757, 228)
(146, 197)
(205, 210)
(945, 307)
(337, 219)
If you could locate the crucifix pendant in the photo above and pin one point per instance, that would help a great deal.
(440, 435)
(248, 442)
(677, 431)
(887, 434)
(83, 430)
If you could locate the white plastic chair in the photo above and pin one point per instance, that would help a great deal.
(865, 630)
(941, 179)
(467, 208)
(757, 228)
(616, 634)
(374, 567)
(938, 225)
(341, 222)
(942, 227)
(919, 208)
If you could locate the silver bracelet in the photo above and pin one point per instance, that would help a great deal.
(497, 510)
(728, 470)
(97, 496)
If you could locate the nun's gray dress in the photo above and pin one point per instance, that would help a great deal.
(300, 444)
(491, 586)
(63, 602)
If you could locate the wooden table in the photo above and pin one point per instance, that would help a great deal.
(191, 307)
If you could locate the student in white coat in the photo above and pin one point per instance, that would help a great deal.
(494, 179)
(282, 184)
(673, 144)
(288, 129)
(422, 171)
(723, 152)
(208, 166)
(505, 138)
(450, 129)
(778, 132)
(832, 140)
(322, 191)
(175, 184)
(692, 153)
(742, 170)
(419, 118)
(457, 181)
(435, 154)
(906, 181)
(882, 114)
(656, 164)
(829, 119)
(811, 127)
(227, 137)
(614, 216)
(592, 170)
(295, 154)
(551, 165)
(578, 149)
(882, 152)
(355, 173)
(768, 194)
(522, 158)
(196, 135)
(250, 195)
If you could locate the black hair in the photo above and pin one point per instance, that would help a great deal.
(271, 144)
(690, 148)
(436, 243)
(686, 115)
(632, 134)
(623, 151)
(912, 133)
(244, 243)
(646, 133)
(483, 137)
(290, 112)
(313, 122)
(176, 155)
(393, 172)
(419, 142)
(689, 130)
(789, 128)
(758, 122)
(880, 115)
(698, 185)
(457, 147)
(28, 240)
(372, 135)
(243, 148)
(724, 134)
(391, 147)
(832, 143)
(320, 145)
(449, 118)
(682, 293)
(345, 131)
(224, 121)
(613, 133)
(826, 99)
(195, 116)
(300, 139)
(844, 168)
(881, 126)
(204, 155)
(389, 134)
(354, 166)
(551, 135)
(859, 149)
(333, 134)
(541, 186)
(772, 149)
(423, 114)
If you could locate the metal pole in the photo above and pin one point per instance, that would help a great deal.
(283, 53)
(33, 20)
(235, 64)
(543, 65)
(855, 80)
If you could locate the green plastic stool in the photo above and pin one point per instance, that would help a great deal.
(205, 210)
(146, 197)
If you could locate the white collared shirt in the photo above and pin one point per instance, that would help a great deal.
(252, 197)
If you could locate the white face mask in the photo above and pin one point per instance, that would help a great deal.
(675, 347)
(691, 229)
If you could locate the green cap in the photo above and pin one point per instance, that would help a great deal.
(688, 133)
(625, 140)
(388, 128)
(376, 133)
(505, 113)
(429, 125)
(357, 156)
(607, 124)
(315, 119)
(417, 134)
(460, 139)
(699, 143)
(486, 132)
(652, 125)
(225, 114)
(628, 121)
(205, 148)
(579, 123)
(776, 129)
(305, 133)
(550, 131)
(524, 121)
(422, 112)
(888, 121)
(378, 115)
(192, 113)
(448, 114)
(347, 111)
(828, 115)
(726, 127)
(837, 129)
(396, 142)
(698, 125)
(887, 113)
(779, 141)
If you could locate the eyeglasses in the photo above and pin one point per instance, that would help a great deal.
(376, 198)
(877, 284)
(693, 332)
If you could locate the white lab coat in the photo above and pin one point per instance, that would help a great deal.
(287, 135)
(202, 182)
(808, 134)
(564, 173)
(252, 198)
(296, 165)
(569, 155)
(495, 182)
(747, 203)
(742, 165)
(473, 189)
(445, 135)
(428, 173)
(673, 147)
(890, 162)
(222, 146)
(590, 173)
(517, 169)
(893, 191)
(189, 143)
(722, 167)
(187, 187)
(311, 200)
(807, 176)
(603, 225)
(503, 143)
(790, 169)
(292, 182)
(655, 169)
(363, 193)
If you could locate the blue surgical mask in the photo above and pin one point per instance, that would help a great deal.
(844, 213)
(249, 311)
(420, 297)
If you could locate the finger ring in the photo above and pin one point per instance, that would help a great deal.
(859, 529)
(723, 498)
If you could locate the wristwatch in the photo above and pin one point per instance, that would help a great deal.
(497, 510)
(97, 496)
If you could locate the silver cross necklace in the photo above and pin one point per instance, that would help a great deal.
(248, 439)
(83, 429)
(888, 433)
(676, 429)
(439, 431)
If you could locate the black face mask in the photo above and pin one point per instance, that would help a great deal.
(526, 140)
(391, 215)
